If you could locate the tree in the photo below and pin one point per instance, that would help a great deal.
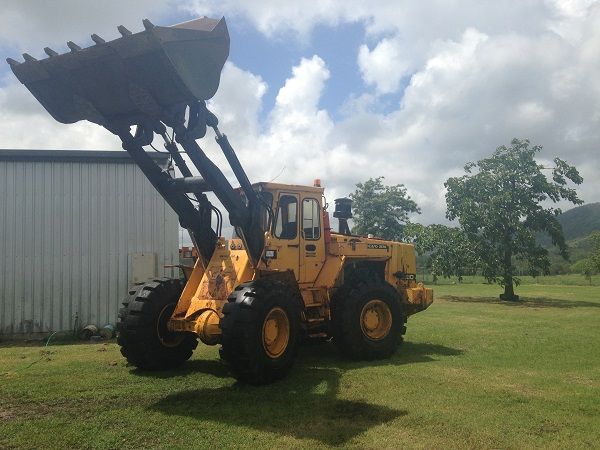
(381, 210)
(449, 252)
(500, 204)
(594, 259)
(585, 267)
(591, 265)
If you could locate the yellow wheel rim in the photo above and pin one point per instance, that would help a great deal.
(276, 332)
(376, 320)
(167, 338)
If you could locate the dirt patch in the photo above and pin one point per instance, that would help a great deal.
(7, 414)
(523, 390)
(27, 410)
(583, 380)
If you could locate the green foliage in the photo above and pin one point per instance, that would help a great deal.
(579, 248)
(590, 266)
(498, 203)
(381, 210)
(585, 267)
(581, 266)
(449, 252)
(595, 256)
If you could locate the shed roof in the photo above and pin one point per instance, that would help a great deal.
(104, 156)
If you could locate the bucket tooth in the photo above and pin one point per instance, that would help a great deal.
(27, 57)
(12, 62)
(124, 31)
(147, 24)
(73, 46)
(50, 52)
(97, 39)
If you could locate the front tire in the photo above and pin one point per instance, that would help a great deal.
(142, 327)
(260, 328)
(367, 320)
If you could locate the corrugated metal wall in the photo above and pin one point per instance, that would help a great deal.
(67, 232)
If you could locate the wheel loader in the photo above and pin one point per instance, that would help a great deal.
(285, 276)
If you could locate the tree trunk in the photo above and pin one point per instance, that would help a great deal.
(509, 291)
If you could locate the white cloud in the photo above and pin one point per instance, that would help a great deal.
(385, 65)
(298, 136)
(238, 101)
(531, 113)
(272, 17)
(302, 91)
(416, 20)
(567, 18)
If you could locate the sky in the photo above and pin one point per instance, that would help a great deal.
(348, 90)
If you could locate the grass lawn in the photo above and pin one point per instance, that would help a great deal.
(473, 372)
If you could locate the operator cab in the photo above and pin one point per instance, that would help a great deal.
(288, 219)
(294, 239)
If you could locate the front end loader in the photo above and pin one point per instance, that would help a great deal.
(285, 276)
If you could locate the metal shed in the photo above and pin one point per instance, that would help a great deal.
(77, 228)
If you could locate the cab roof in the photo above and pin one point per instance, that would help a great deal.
(288, 187)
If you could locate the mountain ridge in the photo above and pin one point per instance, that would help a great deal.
(580, 221)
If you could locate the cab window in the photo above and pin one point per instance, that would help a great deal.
(267, 201)
(286, 223)
(311, 219)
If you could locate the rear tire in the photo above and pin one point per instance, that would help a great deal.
(142, 327)
(367, 320)
(260, 327)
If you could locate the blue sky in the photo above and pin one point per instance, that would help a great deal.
(347, 90)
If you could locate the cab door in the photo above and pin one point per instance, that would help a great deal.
(285, 240)
(312, 245)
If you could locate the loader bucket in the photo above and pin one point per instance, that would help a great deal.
(134, 76)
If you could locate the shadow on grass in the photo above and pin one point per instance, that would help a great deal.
(326, 355)
(525, 302)
(304, 405)
(321, 354)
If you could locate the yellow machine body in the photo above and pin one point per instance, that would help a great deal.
(295, 278)
(316, 261)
